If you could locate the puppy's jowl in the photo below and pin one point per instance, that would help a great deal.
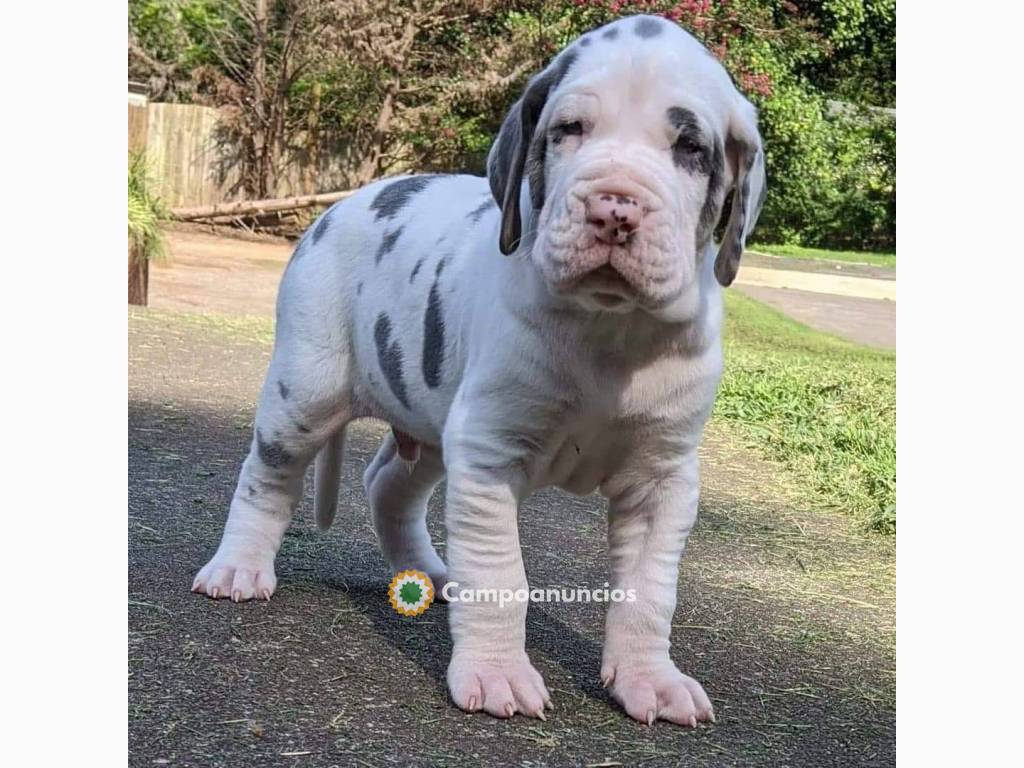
(571, 298)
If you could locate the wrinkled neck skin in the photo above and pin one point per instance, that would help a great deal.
(689, 324)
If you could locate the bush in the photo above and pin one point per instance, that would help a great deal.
(145, 211)
(832, 180)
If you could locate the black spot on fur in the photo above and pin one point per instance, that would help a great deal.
(700, 155)
(389, 355)
(610, 34)
(322, 226)
(648, 27)
(477, 213)
(396, 195)
(440, 266)
(252, 490)
(283, 389)
(273, 454)
(387, 245)
(302, 428)
(690, 151)
(359, 288)
(416, 269)
(584, 41)
(433, 338)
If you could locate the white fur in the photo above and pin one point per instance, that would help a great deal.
(537, 387)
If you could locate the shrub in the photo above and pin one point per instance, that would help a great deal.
(832, 179)
(145, 211)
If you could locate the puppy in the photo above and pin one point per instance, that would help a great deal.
(555, 324)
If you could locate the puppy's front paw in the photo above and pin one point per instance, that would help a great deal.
(498, 688)
(650, 693)
(235, 576)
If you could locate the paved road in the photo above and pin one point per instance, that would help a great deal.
(209, 273)
(785, 614)
(855, 301)
(867, 321)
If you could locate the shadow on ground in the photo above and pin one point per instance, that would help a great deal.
(784, 615)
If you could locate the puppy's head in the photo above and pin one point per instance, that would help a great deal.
(612, 169)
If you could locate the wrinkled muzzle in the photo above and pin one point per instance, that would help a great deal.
(613, 241)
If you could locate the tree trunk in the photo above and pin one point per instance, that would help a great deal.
(370, 166)
(138, 278)
(313, 141)
(257, 207)
(259, 77)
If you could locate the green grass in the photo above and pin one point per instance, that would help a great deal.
(822, 406)
(850, 257)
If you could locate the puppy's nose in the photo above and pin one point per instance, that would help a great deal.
(614, 217)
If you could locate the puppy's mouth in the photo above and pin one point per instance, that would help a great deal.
(607, 288)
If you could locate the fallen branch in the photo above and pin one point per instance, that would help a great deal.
(257, 207)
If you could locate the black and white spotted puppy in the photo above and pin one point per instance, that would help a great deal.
(556, 323)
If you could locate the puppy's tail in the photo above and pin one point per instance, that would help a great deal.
(327, 478)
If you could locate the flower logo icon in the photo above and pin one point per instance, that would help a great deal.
(411, 592)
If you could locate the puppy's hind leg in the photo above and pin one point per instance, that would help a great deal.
(304, 403)
(398, 491)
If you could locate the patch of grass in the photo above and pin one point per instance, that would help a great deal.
(252, 328)
(824, 407)
(850, 257)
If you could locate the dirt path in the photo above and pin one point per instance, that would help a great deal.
(222, 275)
(785, 615)
(219, 275)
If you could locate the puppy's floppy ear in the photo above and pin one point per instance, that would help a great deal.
(505, 164)
(506, 161)
(745, 155)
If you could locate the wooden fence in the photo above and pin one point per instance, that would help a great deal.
(193, 166)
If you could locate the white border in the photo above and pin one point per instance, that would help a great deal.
(65, 556)
(959, 390)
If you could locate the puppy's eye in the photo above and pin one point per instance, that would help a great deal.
(568, 128)
(688, 146)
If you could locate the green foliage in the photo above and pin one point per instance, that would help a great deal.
(822, 406)
(831, 166)
(831, 170)
(181, 36)
(145, 211)
(157, 27)
(832, 180)
(862, 67)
